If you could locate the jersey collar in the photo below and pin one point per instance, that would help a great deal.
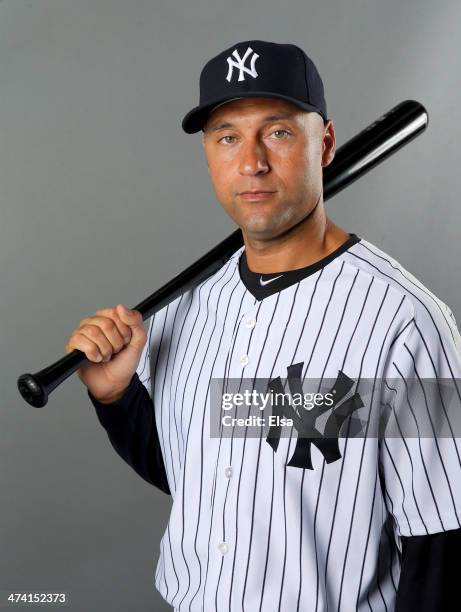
(263, 285)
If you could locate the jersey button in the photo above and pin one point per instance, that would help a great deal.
(223, 548)
(228, 471)
(249, 323)
(244, 360)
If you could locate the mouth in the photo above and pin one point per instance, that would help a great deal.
(254, 196)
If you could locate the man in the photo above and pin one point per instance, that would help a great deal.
(305, 521)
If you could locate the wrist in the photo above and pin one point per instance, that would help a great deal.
(110, 399)
(116, 394)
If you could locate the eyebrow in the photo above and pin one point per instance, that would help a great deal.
(268, 119)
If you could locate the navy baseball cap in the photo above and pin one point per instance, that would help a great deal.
(257, 68)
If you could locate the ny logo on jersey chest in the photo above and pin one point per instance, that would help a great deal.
(305, 422)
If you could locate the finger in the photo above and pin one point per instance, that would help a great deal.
(96, 336)
(112, 326)
(134, 319)
(86, 345)
(105, 333)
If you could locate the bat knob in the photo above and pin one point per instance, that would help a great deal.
(32, 391)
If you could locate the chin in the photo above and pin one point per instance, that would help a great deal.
(260, 231)
(256, 226)
(268, 225)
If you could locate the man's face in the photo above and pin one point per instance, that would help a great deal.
(269, 145)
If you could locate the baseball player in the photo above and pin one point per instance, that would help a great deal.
(302, 516)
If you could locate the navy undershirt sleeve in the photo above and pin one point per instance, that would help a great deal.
(130, 425)
(429, 580)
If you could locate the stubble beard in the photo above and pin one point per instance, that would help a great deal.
(264, 225)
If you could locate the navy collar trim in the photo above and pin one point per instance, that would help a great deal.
(282, 280)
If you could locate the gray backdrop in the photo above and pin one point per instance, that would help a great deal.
(104, 198)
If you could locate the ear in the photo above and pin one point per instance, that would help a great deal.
(329, 143)
(203, 145)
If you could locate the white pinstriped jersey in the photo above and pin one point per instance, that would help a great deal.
(249, 532)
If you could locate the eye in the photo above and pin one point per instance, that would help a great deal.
(226, 137)
(280, 131)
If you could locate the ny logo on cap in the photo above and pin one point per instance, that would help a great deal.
(240, 64)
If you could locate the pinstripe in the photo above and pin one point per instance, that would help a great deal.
(171, 413)
(173, 473)
(363, 448)
(201, 465)
(272, 497)
(144, 361)
(202, 428)
(260, 440)
(392, 549)
(214, 284)
(241, 466)
(388, 331)
(171, 458)
(434, 431)
(411, 282)
(366, 548)
(420, 449)
(342, 466)
(401, 486)
(226, 366)
(454, 380)
(430, 315)
(304, 376)
(412, 471)
(344, 361)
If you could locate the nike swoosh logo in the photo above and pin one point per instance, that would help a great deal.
(262, 282)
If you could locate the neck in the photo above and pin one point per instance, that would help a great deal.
(313, 238)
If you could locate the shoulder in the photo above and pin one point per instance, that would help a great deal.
(427, 311)
(180, 305)
(228, 270)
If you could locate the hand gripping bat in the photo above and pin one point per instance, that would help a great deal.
(357, 156)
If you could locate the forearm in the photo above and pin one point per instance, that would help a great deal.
(130, 425)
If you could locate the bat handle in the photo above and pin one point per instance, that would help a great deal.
(35, 388)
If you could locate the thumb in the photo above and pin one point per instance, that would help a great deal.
(133, 319)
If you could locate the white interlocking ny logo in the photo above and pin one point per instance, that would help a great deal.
(240, 64)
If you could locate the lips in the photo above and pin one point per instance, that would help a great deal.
(256, 195)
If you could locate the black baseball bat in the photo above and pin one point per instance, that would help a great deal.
(353, 159)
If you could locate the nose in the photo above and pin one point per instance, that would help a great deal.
(253, 158)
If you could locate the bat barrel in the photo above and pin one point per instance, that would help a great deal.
(356, 157)
(374, 144)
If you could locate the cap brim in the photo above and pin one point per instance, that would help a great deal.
(196, 118)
